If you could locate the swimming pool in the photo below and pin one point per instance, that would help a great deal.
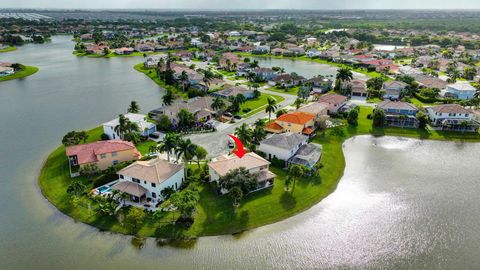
(104, 189)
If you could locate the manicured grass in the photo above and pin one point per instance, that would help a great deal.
(28, 71)
(111, 54)
(8, 49)
(290, 91)
(258, 104)
(152, 74)
(215, 213)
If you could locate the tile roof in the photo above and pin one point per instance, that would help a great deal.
(154, 170)
(286, 140)
(87, 153)
(398, 105)
(331, 98)
(224, 164)
(296, 117)
(449, 108)
(130, 188)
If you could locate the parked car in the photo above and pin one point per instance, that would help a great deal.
(238, 117)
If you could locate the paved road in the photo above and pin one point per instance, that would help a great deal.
(216, 143)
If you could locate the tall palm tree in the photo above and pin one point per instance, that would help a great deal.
(296, 171)
(244, 133)
(200, 154)
(185, 150)
(134, 107)
(208, 76)
(168, 98)
(240, 99)
(344, 75)
(218, 104)
(271, 107)
(169, 144)
(183, 79)
(121, 128)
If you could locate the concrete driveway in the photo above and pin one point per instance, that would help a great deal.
(216, 142)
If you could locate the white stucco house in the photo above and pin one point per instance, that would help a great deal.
(460, 90)
(146, 128)
(5, 71)
(282, 146)
(145, 180)
(452, 117)
(393, 89)
(255, 164)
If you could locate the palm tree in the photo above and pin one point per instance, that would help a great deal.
(298, 102)
(258, 134)
(244, 133)
(240, 99)
(271, 107)
(183, 79)
(208, 76)
(168, 144)
(133, 108)
(296, 171)
(200, 154)
(344, 75)
(251, 76)
(185, 150)
(218, 104)
(168, 98)
(121, 128)
(259, 123)
(254, 64)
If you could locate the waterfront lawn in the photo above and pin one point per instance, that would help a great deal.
(8, 49)
(29, 70)
(257, 104)
(152, 74)
(215, 213)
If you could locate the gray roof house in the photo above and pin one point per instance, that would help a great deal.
(308, 155)
(282, 146)
(393, 89)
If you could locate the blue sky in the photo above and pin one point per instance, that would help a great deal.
(244, 4)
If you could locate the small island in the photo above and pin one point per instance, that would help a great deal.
(9, 71)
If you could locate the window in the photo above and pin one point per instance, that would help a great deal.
(115, 162)
(154, 185)
(136, 180)
(176, 186)
(121, 176)
(154, 195)
(145, 182)
(114, 154)
(102, 156)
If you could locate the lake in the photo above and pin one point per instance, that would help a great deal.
(402, 203)
(306, 69)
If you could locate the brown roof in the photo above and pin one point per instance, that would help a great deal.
(130, 188)
(154, 170)
(274, 126)
(87, 153)
(331, 98)
(224, 164)
(388, 104)
(449, 108)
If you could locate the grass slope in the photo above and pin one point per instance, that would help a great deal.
(152, 74)
(29, 70)
(215, 214)
(8, 49)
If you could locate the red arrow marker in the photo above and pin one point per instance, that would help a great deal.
(240, 152)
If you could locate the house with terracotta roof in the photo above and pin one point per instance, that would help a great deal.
(200, 107)
(297, 122)
(253, 163)
(102, 153)
(333, 101)
(452, 117)
(399, 114)
(358, 88)
(147, 179)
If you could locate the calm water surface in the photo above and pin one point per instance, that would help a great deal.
(304, 68)
(402, 204)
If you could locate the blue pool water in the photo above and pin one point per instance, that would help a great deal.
(104, 189)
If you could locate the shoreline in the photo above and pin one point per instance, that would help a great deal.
(308, 192)
(9, 49)
(29, 70)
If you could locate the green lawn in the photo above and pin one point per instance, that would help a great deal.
(290, 91)
(152, 74)
(258, 104)
(215, 213)
(111, 54)
(29, 70)
(8, 49)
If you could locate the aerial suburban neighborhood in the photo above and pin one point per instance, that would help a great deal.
(176, 125)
